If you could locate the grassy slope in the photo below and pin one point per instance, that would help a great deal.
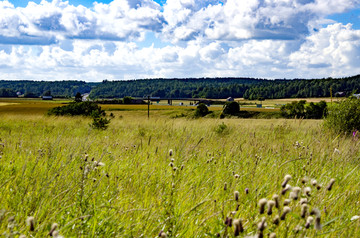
(137, 193)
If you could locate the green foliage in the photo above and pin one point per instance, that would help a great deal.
(78, 97)
(31, 95)
(231, 108)
(221, 129)
(77, 109)
(6, 92)
(201, 110)
(344, 116)
(99, 122)
(127, 100)
(299, 109)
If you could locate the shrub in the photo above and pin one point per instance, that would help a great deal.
(231, 108)
(77, 109)
(299, 109)
(344, 116)
(201, 110)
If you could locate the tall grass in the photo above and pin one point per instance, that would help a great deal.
(122, 182)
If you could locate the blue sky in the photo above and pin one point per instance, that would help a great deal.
(129, 39)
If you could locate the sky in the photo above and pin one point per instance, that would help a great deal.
(132, 39)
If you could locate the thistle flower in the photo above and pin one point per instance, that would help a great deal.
(332, 181)
(238, 227)
(276, 220)
(170, 152)
(309, 220)
(314, 182)
(286, 180)
(287, 188)
(262, 203)
(162, 234)
(54, 226)
(30, 221)
(303, 201)
(304, 210)
(296, 192)
(307, 191)
(275, 197)
(286, 210)
(317, 214)
(236, 195)
(287, 202)
(270, 205)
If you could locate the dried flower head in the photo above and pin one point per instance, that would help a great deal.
(262, 225)
(237, 176)
(162, 234)
(30, 221)
(307, 191)
(286, 210)
(287, 188)
(331, 183)
(309, 220)
(296, 191)
(171, 164)
(275, 197)
(272, 235)
(287, 202)
(304, 180)
(236, 195)
(225, 186)
(170, 152)
(286, 180)
(270, 205)
(238, 227)
(303, 201)
(54, 226)
(228, 221)
(317, 214)
(314, 182)
(318, 186)
(304, 210)
(262, 203)
(276, 220)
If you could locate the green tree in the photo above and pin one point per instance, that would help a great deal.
(78, 97)
(231, 108)
(201, 110)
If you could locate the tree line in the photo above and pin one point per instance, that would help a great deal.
(212, 88)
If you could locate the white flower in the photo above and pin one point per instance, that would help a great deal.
(354, 218)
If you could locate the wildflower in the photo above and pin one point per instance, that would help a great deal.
(304, 210)
(303, 180)
(276, 220)
(225, 186)
(236, 176)
(236, 195)
(170, 152)
(307, 191)
(296, 191)
(332, 181)
(276, 200)
(270, 205)
(286, 180)
(317, 214)
(246, 190)
(287, 188)
(54, 226)
(286, 210)
(171, 164)
(314, 182)
(162, 234)
(287, 202)
(262, 203)
(30, 221)
(318, 186)
(309, 220)
(238, 227)
(336, 151)
(303, 201)
(175, 168)
(172, 160)
(354, 218)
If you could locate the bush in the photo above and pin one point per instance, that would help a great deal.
(201, 110)
(344, 116)
(301, 110)
(231, 108)
(77, 109)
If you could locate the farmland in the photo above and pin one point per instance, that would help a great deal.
(182, 176)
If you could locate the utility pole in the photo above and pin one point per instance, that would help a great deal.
(148, 106)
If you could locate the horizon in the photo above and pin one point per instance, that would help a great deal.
(145, 39)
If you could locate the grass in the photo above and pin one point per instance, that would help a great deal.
(48, 171)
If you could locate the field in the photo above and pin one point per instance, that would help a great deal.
(123, 182)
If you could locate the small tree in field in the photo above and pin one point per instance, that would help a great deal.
(201, 110)
(231, 108)
(78, 97)
(344, 116)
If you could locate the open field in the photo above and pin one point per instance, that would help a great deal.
(122, 182)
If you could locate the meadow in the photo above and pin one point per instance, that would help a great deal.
(173, 177)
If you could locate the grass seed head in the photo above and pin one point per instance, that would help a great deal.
(287, 188)
(170, 152)
(307, 191)
(331, 183)
(286, 180)
(286, 210)
(162, 234)
(272, 235)
(262, 203)
(30, 221)
(54, 226)
(276, 220)
(238, 227)
(287, 202)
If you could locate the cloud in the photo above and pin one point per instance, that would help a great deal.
(49, 22)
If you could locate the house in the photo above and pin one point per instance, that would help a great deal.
(230, 99)
(47, 97)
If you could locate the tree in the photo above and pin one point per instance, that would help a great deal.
(78, 97)
(201, 110)
(231, 108)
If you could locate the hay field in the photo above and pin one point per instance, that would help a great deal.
(123, 182)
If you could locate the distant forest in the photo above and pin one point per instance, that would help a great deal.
(215, 88)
